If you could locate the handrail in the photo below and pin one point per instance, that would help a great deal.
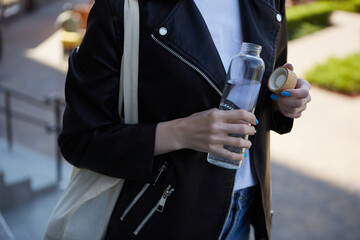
(28, 98)
(54, 103)
(26, 118)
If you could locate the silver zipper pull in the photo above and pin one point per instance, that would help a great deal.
(158, 207)
(167, 192)
(161, 170)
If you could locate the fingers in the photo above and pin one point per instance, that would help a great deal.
(229, 147)
(297, 93)
(222, 152)
(302, 84)
(234, 125)
(301, 91)
(211, 130)
(293, 112)
(292, 102)
(289, 66)
(239, 115)
(237, 142)
(230, 155)
(239, 129)
(234, 121)
(226, 145)
(292, 107)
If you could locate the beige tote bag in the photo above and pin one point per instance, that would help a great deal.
(85, 207)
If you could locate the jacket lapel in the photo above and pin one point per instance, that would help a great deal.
(259, 24)
(188, 35)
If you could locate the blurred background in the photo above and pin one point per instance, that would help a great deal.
(315, 168)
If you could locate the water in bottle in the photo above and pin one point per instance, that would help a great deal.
(241, 91)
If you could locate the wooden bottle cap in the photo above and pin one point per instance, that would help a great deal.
(282, 78)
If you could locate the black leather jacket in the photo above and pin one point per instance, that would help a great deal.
(180, 73)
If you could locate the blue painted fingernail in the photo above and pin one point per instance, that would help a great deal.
(256, 122)
(285, 94)
(255, 131)
(274, 97)
(245, 155)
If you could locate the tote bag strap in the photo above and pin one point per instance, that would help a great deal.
(130, 63)
(128, 90)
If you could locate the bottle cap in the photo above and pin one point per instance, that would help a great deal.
(282, 78)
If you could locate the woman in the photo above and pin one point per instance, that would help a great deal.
(171, 191)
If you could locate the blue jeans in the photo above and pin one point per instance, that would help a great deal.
(237, 225)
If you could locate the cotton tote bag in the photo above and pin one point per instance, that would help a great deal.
(85, 207)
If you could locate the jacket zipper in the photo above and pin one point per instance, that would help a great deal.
(207, 79)
(186, 62)
(142, 191)
(158, 207)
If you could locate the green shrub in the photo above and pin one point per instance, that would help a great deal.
(345, 5)
(307, 18)
(305, 29)
(341, 75)
(304, 19)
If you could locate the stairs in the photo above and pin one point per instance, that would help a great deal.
(15, 193)
(5, 233)
(25, 173)
(26, 179)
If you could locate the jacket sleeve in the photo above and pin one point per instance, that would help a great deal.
(280, 123)
(93, 136)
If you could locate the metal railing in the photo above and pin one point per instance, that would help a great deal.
(52, 103)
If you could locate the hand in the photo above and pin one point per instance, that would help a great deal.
(292, 102)
(207, 132)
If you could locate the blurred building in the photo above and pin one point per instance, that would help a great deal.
(13, 8)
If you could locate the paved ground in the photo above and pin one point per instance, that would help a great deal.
(316, 185)
(316, 168)
(324, 143)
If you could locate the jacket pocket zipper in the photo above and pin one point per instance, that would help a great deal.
(142, 191)
(158, 207)
(186, 62)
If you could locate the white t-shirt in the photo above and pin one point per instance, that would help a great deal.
(222, 18)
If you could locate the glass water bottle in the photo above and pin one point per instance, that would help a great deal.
(241, 91)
